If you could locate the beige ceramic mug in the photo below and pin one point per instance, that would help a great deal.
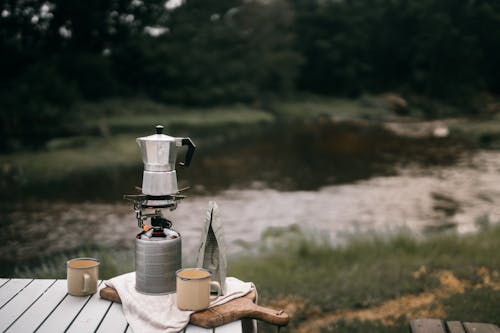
(82, 275)
(193, 288)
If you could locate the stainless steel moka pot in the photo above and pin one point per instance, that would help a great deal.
(159, 153)
(158, 247)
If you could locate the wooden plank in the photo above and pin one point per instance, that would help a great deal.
(64, 313)
(481, 328)
(11, 288)
(38, 311)
(427, 326)
(114, 321)
(91, 315)
(23, 300)
(455, 327)
(234, 327)
(197, 329)
(3, 281)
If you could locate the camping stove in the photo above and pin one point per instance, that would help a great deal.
(158, 253)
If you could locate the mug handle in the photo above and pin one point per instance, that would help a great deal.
(86, 282)
(216, 285)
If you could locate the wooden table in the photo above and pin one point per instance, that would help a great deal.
(42, 305)
(439, 326)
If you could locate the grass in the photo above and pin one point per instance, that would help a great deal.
(138, 115)
(87, 153)
(113, 262)
(484, 132)
(367, 107)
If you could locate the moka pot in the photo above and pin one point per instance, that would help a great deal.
(159, 154)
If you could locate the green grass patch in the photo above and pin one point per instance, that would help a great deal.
(366, 107)
(357, 326)
(482, 132)
(84, 154)
(475, 305)
(139, 115)
(198, 118)
(113, 262)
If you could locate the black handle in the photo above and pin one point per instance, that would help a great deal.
(189, 153)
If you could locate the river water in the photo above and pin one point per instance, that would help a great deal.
(337, 181)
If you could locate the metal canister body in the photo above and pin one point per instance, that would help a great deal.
(156, 262)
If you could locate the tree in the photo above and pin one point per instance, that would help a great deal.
(215, 52)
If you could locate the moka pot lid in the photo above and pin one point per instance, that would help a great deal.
(158, 137)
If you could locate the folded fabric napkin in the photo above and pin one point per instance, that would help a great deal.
(159, 313)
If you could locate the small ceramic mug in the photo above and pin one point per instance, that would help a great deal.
(82, 275)
(193, 288)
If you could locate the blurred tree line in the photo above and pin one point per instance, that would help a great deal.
(205, 52)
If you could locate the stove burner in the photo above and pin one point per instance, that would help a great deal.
(145, 201)
(155, 201)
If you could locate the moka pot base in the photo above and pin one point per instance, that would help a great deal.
(159, 183)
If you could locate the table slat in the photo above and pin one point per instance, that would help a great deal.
(91, 315)
(63, 315)
(3, 281)
(23, 300)
(234, 327)
(455, 327)
(481, 328)
(35, 315)
(11, 288)
(427, 326)
(114, 321)
(197, 329)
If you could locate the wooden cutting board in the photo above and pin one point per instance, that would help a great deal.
(236, 309)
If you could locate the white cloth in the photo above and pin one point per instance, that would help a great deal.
(159, 313)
